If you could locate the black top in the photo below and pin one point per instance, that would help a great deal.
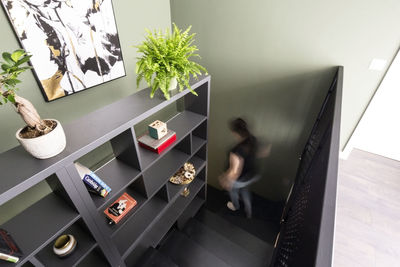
(247, 151)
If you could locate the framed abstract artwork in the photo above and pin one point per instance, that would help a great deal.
(74, 43)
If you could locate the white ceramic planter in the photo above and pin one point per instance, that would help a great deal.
(172, 84)
(45, 146)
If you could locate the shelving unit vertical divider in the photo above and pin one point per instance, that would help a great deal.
(125, 148)
(85, 206)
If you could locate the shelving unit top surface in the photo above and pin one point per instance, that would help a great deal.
(83, 135)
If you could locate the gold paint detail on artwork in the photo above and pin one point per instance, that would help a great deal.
(97, 5)
(52, 86)
(55, 52)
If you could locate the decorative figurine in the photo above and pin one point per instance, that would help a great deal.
(158, 129)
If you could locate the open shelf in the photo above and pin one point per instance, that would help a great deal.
(141, 201)
(85, 244)
(181, 204)
(138, 224)
(182, 124)
(27, 228)
(125, 166)
(95, 258)
(117, 175)
(157, 176)
(173, 189)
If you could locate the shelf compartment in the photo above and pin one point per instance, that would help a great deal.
(141, 201)
(127, 246)
(94, 258)
(159, 174)
(85, 244)
(162, 226)
(182, 124)
(116, 175)
(27, 228)
(173, 189)
(199, 137)
(137, 225)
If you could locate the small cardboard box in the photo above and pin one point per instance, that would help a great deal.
(158, 129)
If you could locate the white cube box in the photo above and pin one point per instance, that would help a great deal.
(158, 129)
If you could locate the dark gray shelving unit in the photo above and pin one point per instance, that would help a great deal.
(71, 209)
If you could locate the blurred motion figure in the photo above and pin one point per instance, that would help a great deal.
(242, 167)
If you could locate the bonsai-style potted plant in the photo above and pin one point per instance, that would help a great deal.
(41, 138)
(165, 60)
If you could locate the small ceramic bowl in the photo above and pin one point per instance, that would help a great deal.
(64, 245)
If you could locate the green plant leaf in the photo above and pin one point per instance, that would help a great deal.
(7, 57)
(17, 54)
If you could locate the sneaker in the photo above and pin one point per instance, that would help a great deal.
(231, 206)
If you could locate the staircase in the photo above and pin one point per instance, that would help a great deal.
(214, 239)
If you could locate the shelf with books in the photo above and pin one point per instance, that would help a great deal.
(141, 201)
(182, 124)
(85, 244)
(27, 228)
(117, 175)
(95, 258)
(159, 174)
(127, 168)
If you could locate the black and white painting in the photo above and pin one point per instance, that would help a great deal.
(74, 43)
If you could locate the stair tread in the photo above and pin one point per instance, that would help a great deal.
(154, 258)
(187, 253)
(230, 252)
(248, 241)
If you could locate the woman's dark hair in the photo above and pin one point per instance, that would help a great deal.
(239, 126)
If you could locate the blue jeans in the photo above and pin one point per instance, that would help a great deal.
(242, 189)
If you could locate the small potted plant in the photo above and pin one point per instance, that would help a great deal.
(41, 138)
(165, 60)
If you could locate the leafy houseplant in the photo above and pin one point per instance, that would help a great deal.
(41, 138)
(166, 57)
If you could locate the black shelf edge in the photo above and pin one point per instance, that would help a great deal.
(100, 126)
(197, 143)
(182, 124)
(85, 244)
(117, 175)
(30, 223)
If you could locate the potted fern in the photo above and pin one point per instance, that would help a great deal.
(41, 138)
(165, 60)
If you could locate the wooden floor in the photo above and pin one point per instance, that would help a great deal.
(368, 212)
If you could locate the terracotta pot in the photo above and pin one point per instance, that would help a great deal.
(45, 146)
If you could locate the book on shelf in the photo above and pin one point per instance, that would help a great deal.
(120, 208)
(91, 180)
(94, 187)
(159, 145)
(9, 251)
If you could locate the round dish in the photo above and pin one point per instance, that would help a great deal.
(64, 245)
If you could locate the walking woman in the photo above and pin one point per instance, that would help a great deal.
(241, 171)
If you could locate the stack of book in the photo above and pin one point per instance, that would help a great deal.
(92, 182)
(157, 140)
(9, 251)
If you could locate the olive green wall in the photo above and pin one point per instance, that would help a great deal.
(271, 61)
(132, 18)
